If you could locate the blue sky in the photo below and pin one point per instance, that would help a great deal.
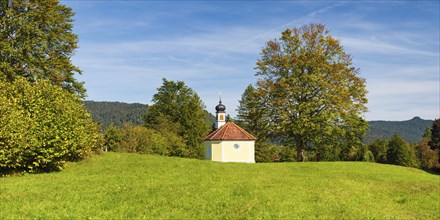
(127, 47)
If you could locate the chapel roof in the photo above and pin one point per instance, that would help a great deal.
(229, 131)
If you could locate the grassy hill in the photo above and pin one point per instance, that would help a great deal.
(121, 186)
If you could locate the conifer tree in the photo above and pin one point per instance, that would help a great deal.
(253, 118)
(434, 143)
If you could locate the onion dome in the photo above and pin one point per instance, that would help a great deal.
(220, 107)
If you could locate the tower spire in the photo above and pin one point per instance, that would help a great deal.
(220, 113)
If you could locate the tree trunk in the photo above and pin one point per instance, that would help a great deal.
(299, 149)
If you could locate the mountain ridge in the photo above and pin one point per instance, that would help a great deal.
(410, 130)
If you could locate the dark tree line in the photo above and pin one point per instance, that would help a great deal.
(116, 113)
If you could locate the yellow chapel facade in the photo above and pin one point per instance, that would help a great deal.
(229, 142)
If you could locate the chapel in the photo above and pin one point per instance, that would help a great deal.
(229, 142)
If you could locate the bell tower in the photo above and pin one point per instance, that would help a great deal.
(220, 114)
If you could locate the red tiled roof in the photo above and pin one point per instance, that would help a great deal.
(230, 131)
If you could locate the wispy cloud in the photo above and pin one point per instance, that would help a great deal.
(127, 47)
(376, 46)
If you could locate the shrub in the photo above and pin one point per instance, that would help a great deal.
(364, 154)
(42, 127)
(266, 152)
(287, 154)
(352, 154)
(140, 139)
(368, 157)
(113, 138)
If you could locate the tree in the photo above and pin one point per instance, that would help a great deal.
(311, 91)
(36, 42)
(228, 118)
(401, 153)
(253, 118)
(428, 158)
(379, 148)
(427, 133)
(42, 127)
(434, 143)
(177, 103)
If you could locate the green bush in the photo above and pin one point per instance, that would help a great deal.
(266, 152)
(42, 127)
(140, 139)
(113, 138)
(368, 157)
(364, 154)
(143, 140)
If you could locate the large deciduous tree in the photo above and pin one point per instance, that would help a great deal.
(312, 92)
(36, 42)
(179, 109)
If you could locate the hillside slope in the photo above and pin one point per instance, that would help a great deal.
(132, 186)
(116, 113)
(411, 131)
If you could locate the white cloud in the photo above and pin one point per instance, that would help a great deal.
(124, 57)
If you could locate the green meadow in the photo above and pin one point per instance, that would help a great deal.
(121, 186)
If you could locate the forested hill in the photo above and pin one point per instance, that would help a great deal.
(116, 113)
(411, 131)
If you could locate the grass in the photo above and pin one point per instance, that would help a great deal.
(121, 186)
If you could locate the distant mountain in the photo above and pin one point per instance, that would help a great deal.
(411, 131)
(116, 113)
